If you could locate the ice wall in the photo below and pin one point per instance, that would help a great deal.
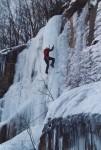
(32, 92)
(29, 95)
(73, 120)
(30, 79)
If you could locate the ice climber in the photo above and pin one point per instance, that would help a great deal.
(47, 58)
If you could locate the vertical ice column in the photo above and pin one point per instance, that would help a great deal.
(61, 143)
(2, 63)
(54, 138)
(47, 142)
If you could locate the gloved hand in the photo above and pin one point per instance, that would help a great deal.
(53, 47)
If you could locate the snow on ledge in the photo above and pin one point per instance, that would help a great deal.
(85, 99)
(93, 2)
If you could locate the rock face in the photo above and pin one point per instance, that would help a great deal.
(10, 129)
(7, 63)
(76, 6)
(79, 132)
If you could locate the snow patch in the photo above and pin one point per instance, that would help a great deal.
(85, 99)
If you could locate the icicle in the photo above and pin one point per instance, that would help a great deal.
(81, 132)
(2, 63)
(61, 143)
(47, 142)
(54, 138)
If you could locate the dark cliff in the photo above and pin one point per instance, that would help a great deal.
(8, 59)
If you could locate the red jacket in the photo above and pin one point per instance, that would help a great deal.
(46, 52)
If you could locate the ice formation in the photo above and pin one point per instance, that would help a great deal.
(34, 94)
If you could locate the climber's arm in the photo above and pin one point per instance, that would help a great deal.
(52, 48)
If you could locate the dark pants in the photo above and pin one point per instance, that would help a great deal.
(47, 59)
